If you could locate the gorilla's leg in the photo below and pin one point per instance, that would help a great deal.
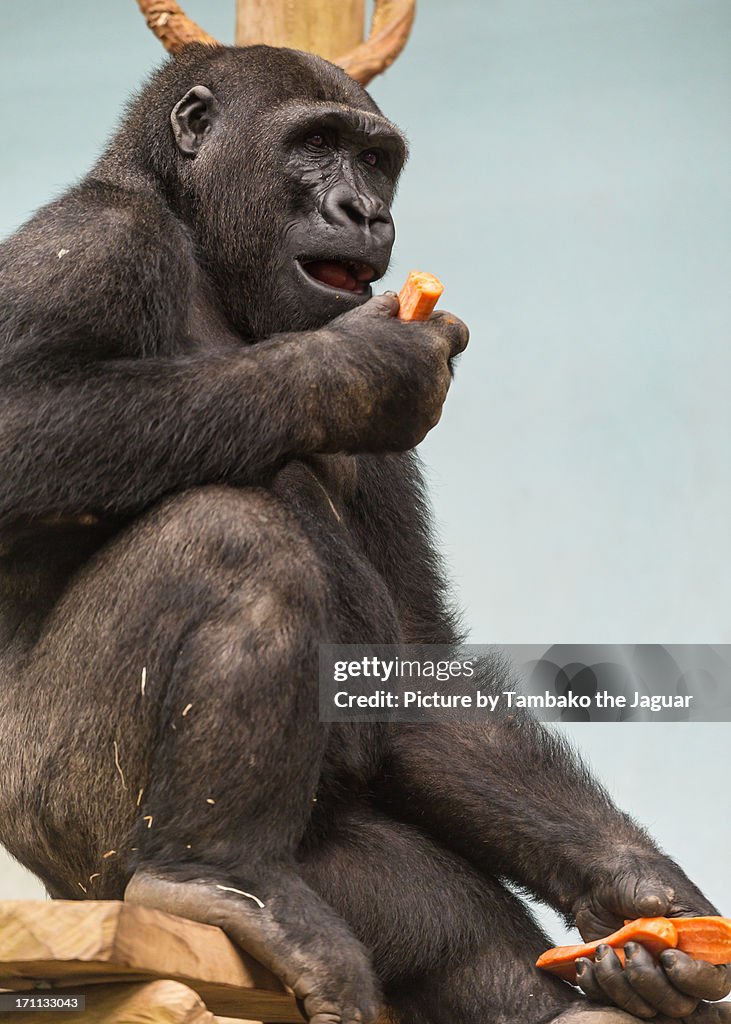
(448, 944)
(222, 597)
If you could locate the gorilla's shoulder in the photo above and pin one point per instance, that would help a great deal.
(96, 221)
(93, 262)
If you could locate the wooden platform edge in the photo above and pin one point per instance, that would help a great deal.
(65, 943)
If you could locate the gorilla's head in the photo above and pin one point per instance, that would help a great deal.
(284, 170)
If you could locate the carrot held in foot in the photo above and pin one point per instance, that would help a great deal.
(419, 296)
(703, 938)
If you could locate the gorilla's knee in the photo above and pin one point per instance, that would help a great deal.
(244, 534)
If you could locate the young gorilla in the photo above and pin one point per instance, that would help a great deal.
(206, 470)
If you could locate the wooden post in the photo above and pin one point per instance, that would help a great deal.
(329, 28)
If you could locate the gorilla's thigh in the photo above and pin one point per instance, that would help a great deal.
(448, 944)
(177, 682)
(196, 775)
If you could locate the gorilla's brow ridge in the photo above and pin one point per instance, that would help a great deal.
(295, 113)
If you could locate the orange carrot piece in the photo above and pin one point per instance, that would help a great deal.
(655, 934)
(419, 296)
(705, 938)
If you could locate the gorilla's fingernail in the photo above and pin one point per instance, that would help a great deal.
(630, 949)
(583, 965)
(601, 952)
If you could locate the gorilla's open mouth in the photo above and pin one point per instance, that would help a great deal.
(341, 275)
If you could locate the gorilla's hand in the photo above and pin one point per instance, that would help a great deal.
(388, 378)
(675, 985)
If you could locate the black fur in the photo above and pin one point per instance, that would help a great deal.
(206, 469)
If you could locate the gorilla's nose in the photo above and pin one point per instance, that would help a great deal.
(345, 208)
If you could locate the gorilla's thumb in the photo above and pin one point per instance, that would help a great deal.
(382, 305)
(653, 899)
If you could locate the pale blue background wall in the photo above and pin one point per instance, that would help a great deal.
(570, 182)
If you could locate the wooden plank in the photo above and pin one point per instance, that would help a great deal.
(234, 1020)
(330, 28)
(156, 1002)
(68, 943)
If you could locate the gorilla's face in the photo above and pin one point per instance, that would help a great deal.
(291, 199)
(341, 166)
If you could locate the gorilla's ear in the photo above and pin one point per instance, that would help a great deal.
(192, 119)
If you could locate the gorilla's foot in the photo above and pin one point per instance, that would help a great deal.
(594, 1015)
(321, 961)
(705, 1013)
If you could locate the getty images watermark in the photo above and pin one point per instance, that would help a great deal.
(563, 682)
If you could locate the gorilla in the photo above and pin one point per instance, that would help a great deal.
(207, 426)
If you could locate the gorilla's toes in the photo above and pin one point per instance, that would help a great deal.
(318, 1010)
(705, 1013)
(597, 1015)
(711, 1013)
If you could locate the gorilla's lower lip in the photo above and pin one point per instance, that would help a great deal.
(349, 277)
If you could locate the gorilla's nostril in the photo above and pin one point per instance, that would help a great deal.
(344, 207)
(355, 213)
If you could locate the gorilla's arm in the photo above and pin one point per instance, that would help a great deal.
(510, 794)
(513, 798)
(112, 436)
(107, 403)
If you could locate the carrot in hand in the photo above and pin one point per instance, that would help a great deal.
(419, 296)
(703, 938)
(655, 934)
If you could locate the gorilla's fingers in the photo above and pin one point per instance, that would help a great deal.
(457, 332)
(652, 899)
(386, 304)
(610, 977)
(640, 894)
(585, 978)
(595, 924)
(632, 893)
(650, 981)
(696, 977)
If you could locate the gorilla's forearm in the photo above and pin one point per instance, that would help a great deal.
(83, 434)
(513, 798)
(510, 796)
(115, 435)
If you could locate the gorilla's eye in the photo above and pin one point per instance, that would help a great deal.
(315, 140)
(371, 157)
